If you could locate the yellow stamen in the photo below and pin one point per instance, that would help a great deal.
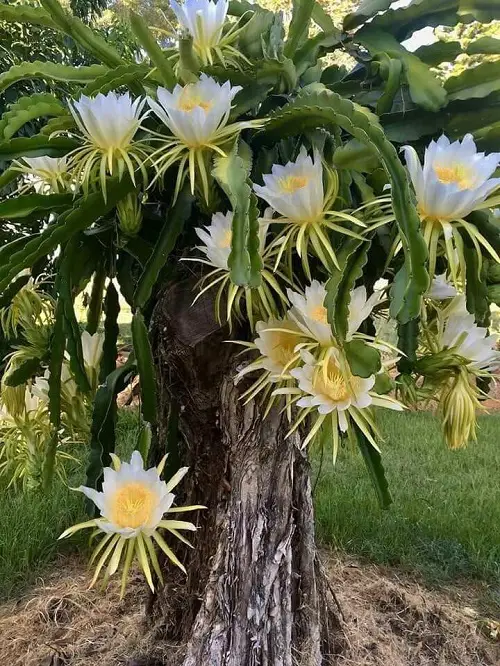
(319, 314)
(333, 383)
(225, 241)
(291, 184)
(458, 174)
(132, 505)
(283, 349)
(189, 100)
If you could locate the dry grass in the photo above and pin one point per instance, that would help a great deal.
(390, 621)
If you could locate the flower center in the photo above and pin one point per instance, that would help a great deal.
(332, 383)
(291, 184)
(225, 241)
(319, 314)
(282, 350)
(190, 100)
(458, 174)
(132, 505)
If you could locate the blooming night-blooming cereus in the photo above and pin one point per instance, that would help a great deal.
(328, 386)
(108, 123)
(216, 238)
(296, 191)
(132, 504)
(197, 115)
(204, 20)
(454, 181)
(48, 175)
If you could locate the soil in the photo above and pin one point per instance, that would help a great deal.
(390, 620)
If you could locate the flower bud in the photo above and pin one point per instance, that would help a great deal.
(129, 214)
(458, 405)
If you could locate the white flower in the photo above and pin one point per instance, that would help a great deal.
(31, 402)
(203, 20)
(332, 387)
(276, 345)
(132, 500)
(360, 308)
(197, 112)
(296, 189)
(465, 338)
(108, 121)
(455, 178)
(441, 289)
(40, 387)
(217, 239)
(48, 173)
(309, 312)
(92, 349)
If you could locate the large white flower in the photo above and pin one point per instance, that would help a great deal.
(441, 289)
(132, 504)
(132, 500)
(296, 189)
(40, 387)
(330, 387)
(204, 20)
(109, 124)
(465, 338)
(197, 112)
(455, 178)
(46, 174)
(217, 237)
(309, 312)
(108, 121)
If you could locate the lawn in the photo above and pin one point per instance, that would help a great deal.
(443, 523)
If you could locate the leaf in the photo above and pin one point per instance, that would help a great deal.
(390, 71)
(27, 109)
(150, 45)
(12, 290)
(60, 124)
(356, 155)
(479, 10)
(49, 71)
(256, 263)
(314, 48)
(145, 365)
(322, 19)
(103, 438)
(408, 334)
(66, 281)
(82, 34)
(327, 109)
(366, 10)
(403, 21)
(425, 89)
(57, 348)
(478, 302)
(35, 146)
(352, 258)
(231, 174)
(85, 211)
(29, 205)
(111, 332)
(171, 230)
(412, 125)
(373, 461)
(484, 45)
(26, 14)
(117, 77)
(363, 359)
(299, 25)
(23, 373)
(475, 82)
(435, 54)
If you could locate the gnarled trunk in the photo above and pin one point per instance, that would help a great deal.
(255, 593)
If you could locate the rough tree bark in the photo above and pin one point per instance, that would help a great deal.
(255, 594)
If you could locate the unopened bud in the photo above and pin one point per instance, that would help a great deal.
(458, 404)
(129, 214)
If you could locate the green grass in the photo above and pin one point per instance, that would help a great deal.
(31, 522)
(444, 522)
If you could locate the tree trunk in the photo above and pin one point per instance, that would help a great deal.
(255, 593)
